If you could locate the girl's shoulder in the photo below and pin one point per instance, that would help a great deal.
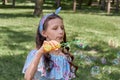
(32, 52)
(28, 60)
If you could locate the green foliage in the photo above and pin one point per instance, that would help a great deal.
(17, 38)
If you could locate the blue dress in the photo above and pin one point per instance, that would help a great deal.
(60, 70)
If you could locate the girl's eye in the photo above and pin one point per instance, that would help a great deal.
(55, 28)
(62, 27)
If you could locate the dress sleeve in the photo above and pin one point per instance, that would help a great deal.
(29, 59)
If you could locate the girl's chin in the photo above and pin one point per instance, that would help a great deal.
(59, 41)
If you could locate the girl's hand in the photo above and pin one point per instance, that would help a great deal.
(51, 45)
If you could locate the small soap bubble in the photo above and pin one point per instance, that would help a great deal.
(118, 54)
(82, 56)
(80, 45)
(77, 52)
(103, 60)
(95, 70)
(106, 70)
(94, 58)
(88, 60)
(116, 61)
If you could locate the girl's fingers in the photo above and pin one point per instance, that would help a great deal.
(47, 47)
(50, 45)
(57, 45)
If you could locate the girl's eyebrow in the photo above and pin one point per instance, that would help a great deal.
(57, 25)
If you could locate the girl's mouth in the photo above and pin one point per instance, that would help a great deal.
(59, 38)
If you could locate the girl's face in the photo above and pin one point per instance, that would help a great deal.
(55, 30)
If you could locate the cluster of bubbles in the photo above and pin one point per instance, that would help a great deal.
(96, 70)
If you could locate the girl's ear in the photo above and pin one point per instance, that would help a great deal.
(44, 33)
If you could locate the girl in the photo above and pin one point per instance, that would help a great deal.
(53, 64)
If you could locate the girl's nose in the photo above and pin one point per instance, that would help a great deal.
(60, 30)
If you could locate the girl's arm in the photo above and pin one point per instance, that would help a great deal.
(29, 74)
(47, 46)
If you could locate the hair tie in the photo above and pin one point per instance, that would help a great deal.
(45, 17)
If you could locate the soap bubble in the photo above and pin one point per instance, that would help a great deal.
(116, 61)
(88, 60)
(76, 52)
(95, 70)
(103, 60)
(83, 56)
(106, 70)
(118, 54)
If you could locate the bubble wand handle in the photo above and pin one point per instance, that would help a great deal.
(51, 45)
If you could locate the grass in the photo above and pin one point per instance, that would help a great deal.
(17, 38)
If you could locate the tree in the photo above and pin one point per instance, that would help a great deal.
(108, 6)
(80, 3)
(113, 1)
(58, 3)
(89, 2)
(74, 5)
(117, 5)
(13, 3)
(38, 7)
(102, 4)
(4, 2)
